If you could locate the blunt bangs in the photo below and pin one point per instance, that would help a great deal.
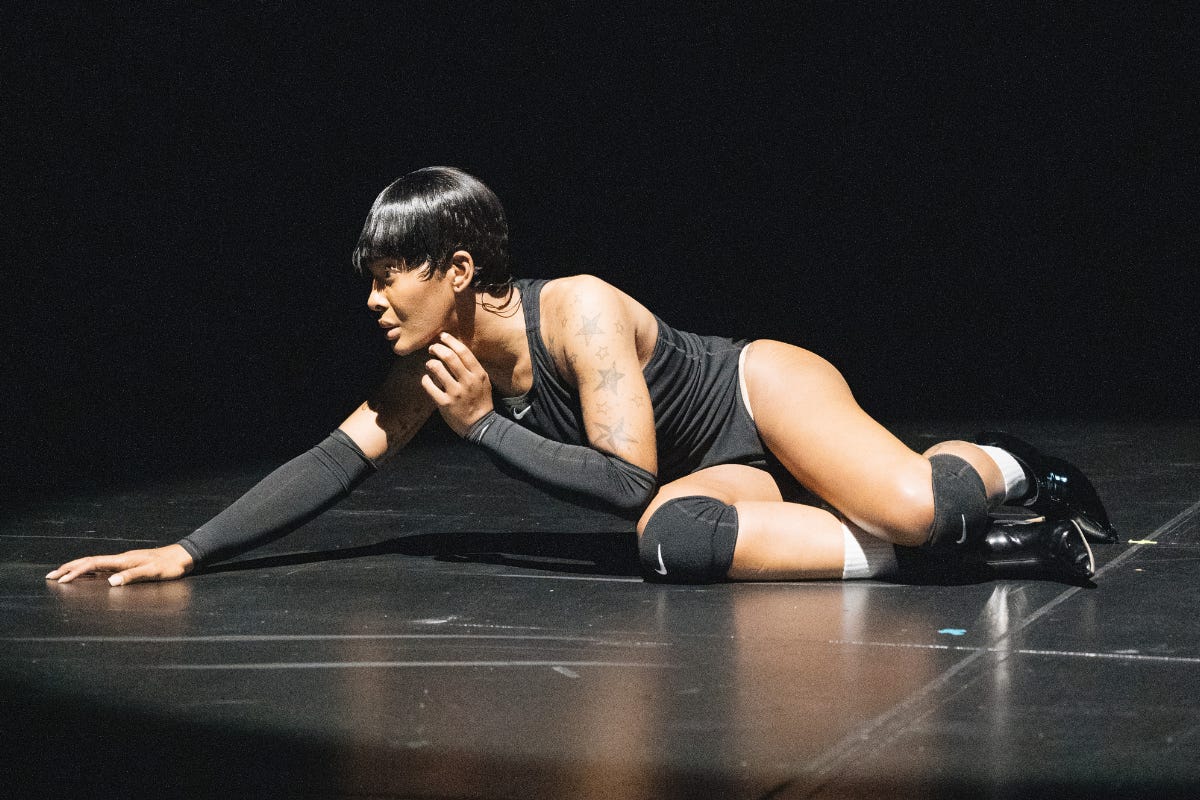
(425, 216)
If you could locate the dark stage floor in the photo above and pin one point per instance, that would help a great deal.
(400, 647)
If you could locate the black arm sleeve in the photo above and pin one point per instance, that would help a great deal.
(284, 500)
(574, 468)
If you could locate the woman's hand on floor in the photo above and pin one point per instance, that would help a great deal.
(159, 564)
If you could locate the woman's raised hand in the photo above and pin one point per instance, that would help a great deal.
(159, 564)
(458, 383)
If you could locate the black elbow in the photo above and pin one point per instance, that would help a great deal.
(632, 489)
(634, 502)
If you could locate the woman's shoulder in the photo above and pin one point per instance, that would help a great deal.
(579, 282)
(587, 306)
(581, 291)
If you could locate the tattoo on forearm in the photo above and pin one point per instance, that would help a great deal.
(589, 328)
(602, 352)
(614, 436)
(609, 378)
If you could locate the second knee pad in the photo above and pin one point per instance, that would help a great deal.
(960, 507)
(689, 540)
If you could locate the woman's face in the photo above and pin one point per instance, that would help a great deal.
(413, 308)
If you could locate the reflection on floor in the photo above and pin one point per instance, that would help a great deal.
(449, 633)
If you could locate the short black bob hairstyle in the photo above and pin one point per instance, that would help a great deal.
(425, 216)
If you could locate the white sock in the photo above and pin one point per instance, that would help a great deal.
(865, 556)
(1016, 485)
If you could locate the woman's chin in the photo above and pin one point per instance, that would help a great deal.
(404, 346)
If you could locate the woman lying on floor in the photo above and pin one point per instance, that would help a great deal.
(579, 388)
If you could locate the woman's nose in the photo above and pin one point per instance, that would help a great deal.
(375, 301)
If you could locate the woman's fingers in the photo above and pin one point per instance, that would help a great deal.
(451, 360)
(437, 370)
(433, 390)
(456, 381)
(451, 375)
(132, 566)
(463, 353)
(67, 572)
(141, 572)
(457, 357)
(82, 566)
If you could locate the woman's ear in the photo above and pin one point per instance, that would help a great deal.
(462, 270)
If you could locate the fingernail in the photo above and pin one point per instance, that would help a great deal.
(50, 574)
(115, 580)
(63, 579)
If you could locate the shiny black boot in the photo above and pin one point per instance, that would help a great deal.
(1038, 546)
(1058, 488)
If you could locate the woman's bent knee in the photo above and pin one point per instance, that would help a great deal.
(910, 511)
(944, 503)
(688, 540)
(897, 505)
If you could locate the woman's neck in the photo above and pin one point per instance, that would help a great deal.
(494, 330)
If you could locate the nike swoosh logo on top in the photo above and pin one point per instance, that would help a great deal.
(521, 413)
(662, 568)
(962, 539)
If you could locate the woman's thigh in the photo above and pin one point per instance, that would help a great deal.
(728, 483)
(807, 416)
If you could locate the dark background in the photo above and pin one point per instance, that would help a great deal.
(973, 213)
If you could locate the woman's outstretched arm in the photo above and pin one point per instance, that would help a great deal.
(288, 497)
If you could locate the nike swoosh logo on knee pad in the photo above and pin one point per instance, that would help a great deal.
(662, 568)
(963, 539)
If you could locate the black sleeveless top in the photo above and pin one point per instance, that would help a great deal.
(699, 419)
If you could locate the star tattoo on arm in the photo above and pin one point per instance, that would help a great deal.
(609, 378)
(589, 328)
(613, 436)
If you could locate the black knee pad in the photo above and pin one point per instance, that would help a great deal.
(689, 540)
(960, 507)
